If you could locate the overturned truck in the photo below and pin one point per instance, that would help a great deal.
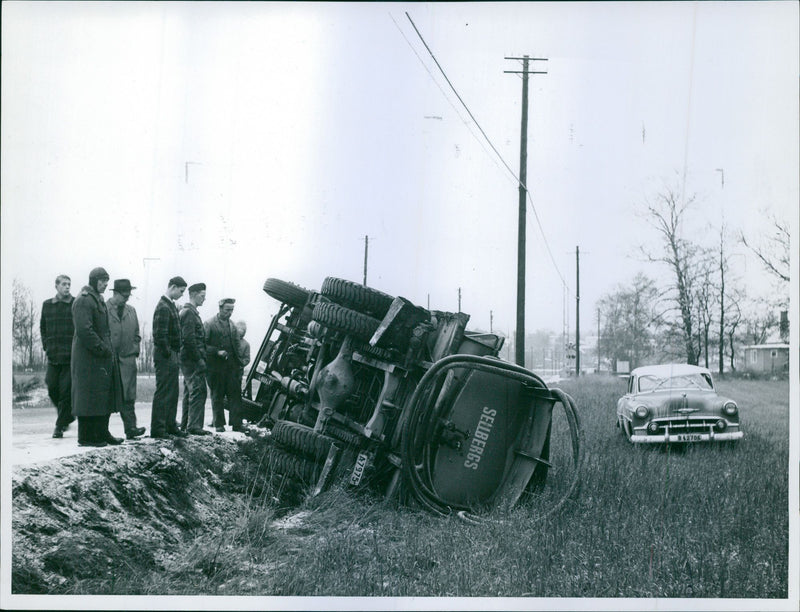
(355, 383)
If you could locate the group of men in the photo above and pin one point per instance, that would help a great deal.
(92, 347)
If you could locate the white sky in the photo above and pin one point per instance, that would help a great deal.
(306, 127)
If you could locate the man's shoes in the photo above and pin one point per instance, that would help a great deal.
(178, 433)
(199, 432)
(58, 432)
(239, 428)
(133, 434)
(113, 440)
(99, 444)
(159, 436)
(221, 428)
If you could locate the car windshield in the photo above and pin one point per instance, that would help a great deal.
(649, 382)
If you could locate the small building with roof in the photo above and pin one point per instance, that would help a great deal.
(770, 358)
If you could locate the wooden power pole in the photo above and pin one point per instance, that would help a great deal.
(519, 343)
(577, 311)
(366, 252)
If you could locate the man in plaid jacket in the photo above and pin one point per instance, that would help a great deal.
(56, 330)
(167, 343)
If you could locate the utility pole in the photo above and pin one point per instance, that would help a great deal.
(366, 251)
(491, 321)
(598, 340)
(523, 189)
(459, 299)
(577, 312)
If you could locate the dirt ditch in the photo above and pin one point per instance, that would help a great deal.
(86, 522)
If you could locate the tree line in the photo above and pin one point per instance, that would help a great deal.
(704, 310)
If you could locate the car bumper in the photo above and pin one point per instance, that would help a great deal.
(701, 437)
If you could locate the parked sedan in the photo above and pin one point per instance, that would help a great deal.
(676, 403)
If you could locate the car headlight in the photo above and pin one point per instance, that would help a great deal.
(729, 408)
(642, 411)
(721, 425)
(652, 427)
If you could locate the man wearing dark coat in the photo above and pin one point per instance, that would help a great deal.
(96, 389)
(224, 363)
(56, 330)
(125, 338)
(167, 343)
(193, 363)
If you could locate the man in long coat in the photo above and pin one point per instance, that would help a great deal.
(193, 363)
(167, 343)
(224, 363)
(96, 391)
(125, 338)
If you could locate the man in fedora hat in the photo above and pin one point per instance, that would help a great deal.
(124, 326)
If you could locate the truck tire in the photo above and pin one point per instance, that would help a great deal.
(293, 466)
(342, 434)
(357, 297)
(286, 292)
(302, 439)
(342, 319)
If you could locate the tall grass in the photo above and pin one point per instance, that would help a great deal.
(693, 521)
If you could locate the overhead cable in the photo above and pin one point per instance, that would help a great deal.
(475, 121)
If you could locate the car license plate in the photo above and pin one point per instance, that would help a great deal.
(358, 470)
(688, 438)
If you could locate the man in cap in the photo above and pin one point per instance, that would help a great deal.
(193, 362)
(125, 338)
(56, 330)
(167, 343)
(96, 391)
(224, 361)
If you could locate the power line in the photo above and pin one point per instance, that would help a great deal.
(444, 95)
(475, 121)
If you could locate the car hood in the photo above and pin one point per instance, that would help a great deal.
(680, 401)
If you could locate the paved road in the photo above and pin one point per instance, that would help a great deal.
(32, 430)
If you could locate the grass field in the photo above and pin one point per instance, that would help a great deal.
(707, 521)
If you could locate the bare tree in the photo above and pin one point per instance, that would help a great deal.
(666, 215)
(704, 299)
(23, 327)
(733, 320)
(629, 319)
(723, 269)
(145, 360)
(729, 297)
(759, 322)
(773, 250)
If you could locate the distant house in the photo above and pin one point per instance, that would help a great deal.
(766, 358)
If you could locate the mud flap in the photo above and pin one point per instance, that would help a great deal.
(489, 440)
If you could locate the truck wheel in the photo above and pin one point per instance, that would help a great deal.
(342, 434)
(285, 292)
(358, 297)
(302, 439)
(342, 319)
(293, 466)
